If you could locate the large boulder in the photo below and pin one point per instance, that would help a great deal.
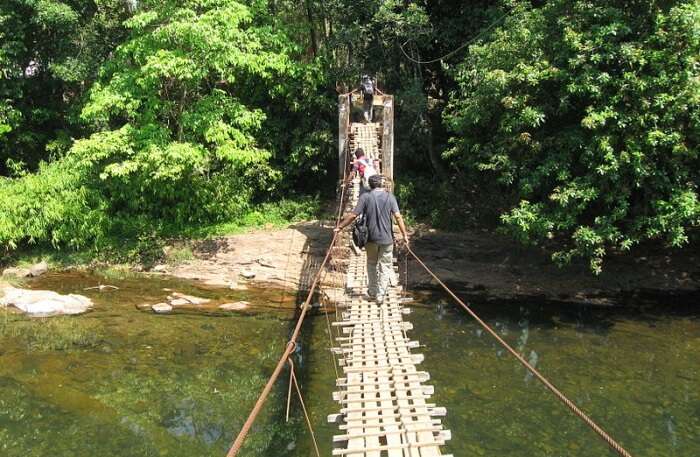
(17, 272)
(44, 302)
(38, 269)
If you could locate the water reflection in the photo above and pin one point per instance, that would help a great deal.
(182, 384)
(636, 372)
(176, 385)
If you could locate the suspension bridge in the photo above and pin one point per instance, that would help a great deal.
(384, 407)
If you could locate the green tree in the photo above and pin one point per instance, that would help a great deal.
(179, 129)
(588, 114)
(50, 52)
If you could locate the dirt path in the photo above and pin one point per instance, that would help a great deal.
(278, 257)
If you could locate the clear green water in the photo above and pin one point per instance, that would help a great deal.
(637, 373)
(152, 385)
(182, 384)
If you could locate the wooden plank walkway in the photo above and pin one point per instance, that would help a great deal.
(384, 403)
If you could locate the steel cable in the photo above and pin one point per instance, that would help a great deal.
(456, 50)
(293, 378)
(564, 399)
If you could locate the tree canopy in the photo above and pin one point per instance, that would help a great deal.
(591, 110)
(574, 122)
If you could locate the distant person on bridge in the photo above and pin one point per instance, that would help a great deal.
(363, 166)
(367, 89)
(378, 206)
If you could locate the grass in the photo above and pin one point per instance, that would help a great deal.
(179, 255)
(50, 334)
(266, 215)
(117, 272)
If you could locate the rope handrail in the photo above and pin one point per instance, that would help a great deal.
(292, 343)
(456, 50)
(563, 398)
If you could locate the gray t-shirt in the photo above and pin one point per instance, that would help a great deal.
(378, 206)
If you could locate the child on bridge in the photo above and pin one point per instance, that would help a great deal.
(365, 167)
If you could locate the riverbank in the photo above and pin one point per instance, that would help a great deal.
(485, 266)
(481, 265)
(277, 257)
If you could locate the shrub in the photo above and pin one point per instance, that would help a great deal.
(589, 110)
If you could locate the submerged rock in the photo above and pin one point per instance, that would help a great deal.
(161, 308)
(44, 302)
(188, 299)
(239, 305)
(191, 298)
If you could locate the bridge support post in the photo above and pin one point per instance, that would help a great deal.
(388, 137)
(343, 126)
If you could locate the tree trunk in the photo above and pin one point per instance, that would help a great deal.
(312, 28)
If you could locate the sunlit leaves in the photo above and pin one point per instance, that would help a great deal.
(185, 84)
(589, 111)
(178, 113)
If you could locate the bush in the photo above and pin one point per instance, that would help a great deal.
(53, 205)
(178, 133)
(590, 112)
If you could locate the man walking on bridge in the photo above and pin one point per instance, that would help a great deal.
(378, 206)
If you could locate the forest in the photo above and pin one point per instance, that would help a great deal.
(569, 124)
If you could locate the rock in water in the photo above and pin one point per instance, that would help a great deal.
(38, 269)
(190, 299)
(161, 308)
(239, 305)
(44, 302)
(17, 272)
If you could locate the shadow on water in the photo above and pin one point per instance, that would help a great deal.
(304, 355)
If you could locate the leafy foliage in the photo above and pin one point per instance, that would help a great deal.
(187, 126)
(178, 139)
(52, 206)
(50, 52)
(577, 121)
(593, 120)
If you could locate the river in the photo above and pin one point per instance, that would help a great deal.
(142, 384)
